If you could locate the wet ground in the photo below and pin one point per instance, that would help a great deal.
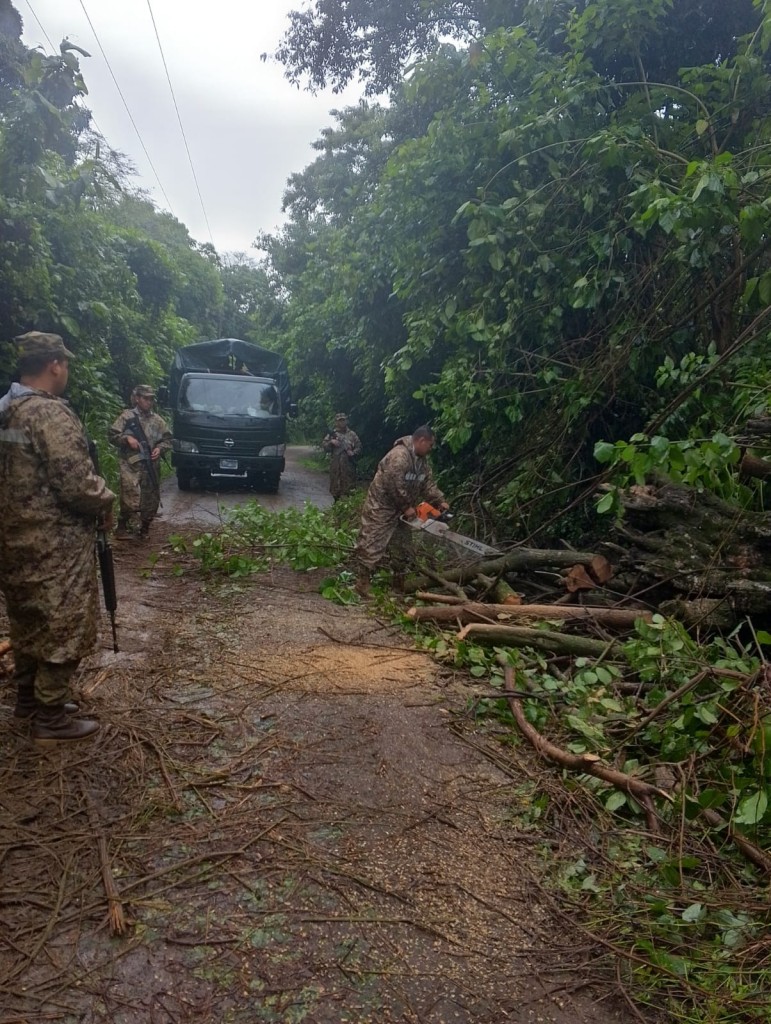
(203, 505)
(289, 816)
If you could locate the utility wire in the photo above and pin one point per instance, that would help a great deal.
(53, 50)
(34, 15)
(125, 104)
(179, 118)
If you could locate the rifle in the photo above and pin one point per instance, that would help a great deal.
(134, 427)
(106, 564)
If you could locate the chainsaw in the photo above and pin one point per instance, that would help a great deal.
(435, 522)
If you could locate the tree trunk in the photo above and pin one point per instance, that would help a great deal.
(475, 611)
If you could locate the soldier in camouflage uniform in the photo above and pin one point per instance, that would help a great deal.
(51, 500)
(343, 445)
(141, 437)
(403, 479)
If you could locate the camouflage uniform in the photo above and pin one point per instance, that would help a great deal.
(51, 498)
(140, 493)
(342, 468)
(403, 479)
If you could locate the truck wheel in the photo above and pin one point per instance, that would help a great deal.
(272, 482)
(183, 481)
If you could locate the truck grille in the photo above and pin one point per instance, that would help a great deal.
(241, 449)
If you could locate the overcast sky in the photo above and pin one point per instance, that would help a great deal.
(247, 128)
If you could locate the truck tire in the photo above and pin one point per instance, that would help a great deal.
(271, 482)
(183, 481)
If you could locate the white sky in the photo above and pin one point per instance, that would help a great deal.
(247, 128)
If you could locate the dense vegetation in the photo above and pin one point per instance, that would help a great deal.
(546, 237)
(551, 231)
(553, 241)
(85, 254)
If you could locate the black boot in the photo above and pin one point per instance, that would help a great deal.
(26, 705)
(144, 529)
(52, 725)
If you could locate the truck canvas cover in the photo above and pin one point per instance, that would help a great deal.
(233, 356)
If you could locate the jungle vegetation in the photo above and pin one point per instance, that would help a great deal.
(549, 233)
(546, 230)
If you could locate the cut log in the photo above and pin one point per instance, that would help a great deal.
(518, 560)
(499, 590)
(5, 647)
(475, 611)
(711, 557)
(753, 467)
(539, 639)
(439, 598)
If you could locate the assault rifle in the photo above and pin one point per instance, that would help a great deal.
(134, 427)
(106, 564)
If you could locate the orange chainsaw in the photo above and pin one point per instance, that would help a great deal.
(434, 521)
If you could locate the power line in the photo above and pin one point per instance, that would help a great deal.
(179, 118)
(32, 9)
(53, 50)
(125, 104)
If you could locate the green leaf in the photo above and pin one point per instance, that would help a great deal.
(693, 913)
(752, 808)
(615, 801)
(605, 504)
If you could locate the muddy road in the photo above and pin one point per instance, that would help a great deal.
(201, 506)
(289, 816)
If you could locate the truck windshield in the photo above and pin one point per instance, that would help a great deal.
(229, 397)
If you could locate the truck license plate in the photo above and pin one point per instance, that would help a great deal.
(228, 463)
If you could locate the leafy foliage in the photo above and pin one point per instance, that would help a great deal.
(254, 538)
(684, 916)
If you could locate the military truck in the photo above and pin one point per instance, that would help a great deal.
(229, 402)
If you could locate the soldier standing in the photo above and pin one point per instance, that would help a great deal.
(343, 445)
(51, 499)
(141, 437)
(403, 479)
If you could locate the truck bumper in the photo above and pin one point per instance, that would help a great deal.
(209, 465)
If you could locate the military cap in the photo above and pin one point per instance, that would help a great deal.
(144, 391)
(341, 416)
(38, 343)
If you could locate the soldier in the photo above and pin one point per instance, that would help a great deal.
(51, 500)
(343, 445)
(141, 437)
(403, 479)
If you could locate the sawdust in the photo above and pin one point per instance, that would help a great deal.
(293, 831)
(326, 668)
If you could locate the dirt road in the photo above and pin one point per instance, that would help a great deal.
(200, 506)
(288, 816)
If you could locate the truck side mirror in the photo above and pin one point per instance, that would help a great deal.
(293, 410)
(163, 394)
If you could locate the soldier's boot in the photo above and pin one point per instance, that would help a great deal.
(26, 705)
(144, 529)
(52, 725)
(123, 528)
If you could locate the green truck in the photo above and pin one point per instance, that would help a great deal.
(229, 401)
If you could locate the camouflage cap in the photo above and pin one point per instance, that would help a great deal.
(38, 343)
(144, 391)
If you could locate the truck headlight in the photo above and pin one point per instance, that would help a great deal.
(184, 446)
(273, 450)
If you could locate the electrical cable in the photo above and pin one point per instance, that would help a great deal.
(179, 118)
(40, 25)
(53, 50)
(125, 104)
